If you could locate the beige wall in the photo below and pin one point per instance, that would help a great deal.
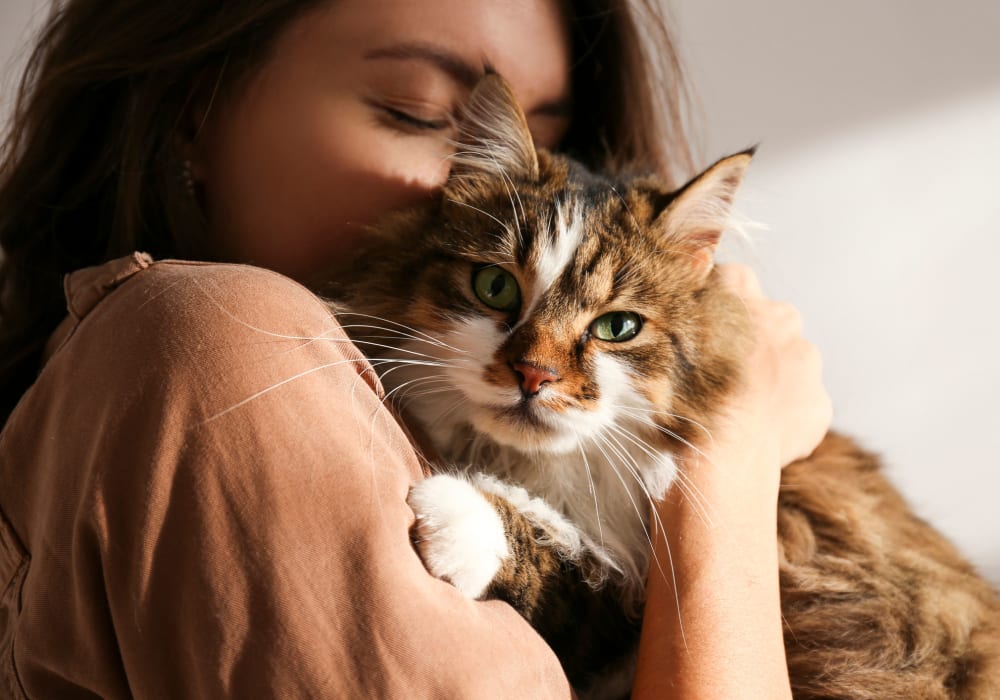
(879, 124)
(17, 18)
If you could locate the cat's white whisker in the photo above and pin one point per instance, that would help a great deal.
(426, 336)
(391, 334)
(675, 436)
(633, 410)
(601, 441)
(647, 449)
(658, 523)
(410, 395)
(276, 385)
(517, 195)
(682, 480)
(673, 582)
(509, 186)
(694, 495)
(374, 416)
(518, 226)
(395, 348)
(632, 465)
(400, 361)
(593, 489)
(629, 462)
(377, 363)
(484, 213)
(389, 395)
(264, 331)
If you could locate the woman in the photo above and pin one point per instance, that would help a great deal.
(190, 506)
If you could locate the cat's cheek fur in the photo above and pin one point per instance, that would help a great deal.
(478, 338)
(458, 533)
(616, 392)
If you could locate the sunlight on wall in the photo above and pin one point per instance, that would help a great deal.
(888, 239)
(877, 178)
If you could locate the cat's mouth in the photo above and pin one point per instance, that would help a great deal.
(527, 414)
(526, 425)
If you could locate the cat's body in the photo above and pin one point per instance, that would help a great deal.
(876, 603)
(565, 334)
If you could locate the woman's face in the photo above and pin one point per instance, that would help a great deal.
(349, 119)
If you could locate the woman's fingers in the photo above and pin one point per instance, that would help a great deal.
(741, 280)
(786, 317)
(783, 396)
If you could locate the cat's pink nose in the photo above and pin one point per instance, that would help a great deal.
(532, 377)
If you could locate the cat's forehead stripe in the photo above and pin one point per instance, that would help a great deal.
(555, 250)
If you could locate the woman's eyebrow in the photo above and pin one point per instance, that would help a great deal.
(455, 66)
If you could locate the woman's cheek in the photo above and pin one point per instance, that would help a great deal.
(417, 161)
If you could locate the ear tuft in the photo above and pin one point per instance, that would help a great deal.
(493, 138)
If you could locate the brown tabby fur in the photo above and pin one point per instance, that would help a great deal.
(876, 603)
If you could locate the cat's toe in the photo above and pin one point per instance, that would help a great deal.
(458, 533)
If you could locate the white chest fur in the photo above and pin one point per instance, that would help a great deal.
(596, 499)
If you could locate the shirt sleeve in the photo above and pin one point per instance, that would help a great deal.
(235, 514)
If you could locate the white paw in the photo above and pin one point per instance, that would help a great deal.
(459, 534)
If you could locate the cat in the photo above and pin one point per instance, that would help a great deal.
(558, 336)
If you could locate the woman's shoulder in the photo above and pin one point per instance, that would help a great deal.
(183, 292)
(214, 359)
(222, 331)
(136, 298)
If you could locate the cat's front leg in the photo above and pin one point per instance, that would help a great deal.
(458, 533)
(492, 539)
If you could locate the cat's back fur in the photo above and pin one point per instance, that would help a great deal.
(876, 603)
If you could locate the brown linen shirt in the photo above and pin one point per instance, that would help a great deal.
(202, 496)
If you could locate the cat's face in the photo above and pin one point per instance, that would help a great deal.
(543, 306)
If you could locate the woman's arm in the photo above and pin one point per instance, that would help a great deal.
(213, 498)
(712, 625)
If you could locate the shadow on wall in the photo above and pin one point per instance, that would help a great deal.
(830, 66)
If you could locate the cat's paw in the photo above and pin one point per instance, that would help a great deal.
(458, 533)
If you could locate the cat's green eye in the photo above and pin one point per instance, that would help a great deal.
(617, 326)
(496, 288)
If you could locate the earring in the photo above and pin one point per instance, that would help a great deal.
(187, 177)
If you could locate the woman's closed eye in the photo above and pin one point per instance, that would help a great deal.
(412, 117)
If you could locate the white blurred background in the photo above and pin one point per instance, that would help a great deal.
(878, 177)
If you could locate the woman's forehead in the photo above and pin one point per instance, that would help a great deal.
(525, 40)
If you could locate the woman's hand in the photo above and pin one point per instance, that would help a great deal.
(778, 415)
(782, 409)
(712, 623)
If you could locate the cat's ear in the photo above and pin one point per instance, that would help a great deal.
(493, 139)
(695, 216)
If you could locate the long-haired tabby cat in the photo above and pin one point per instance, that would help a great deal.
(558, 335)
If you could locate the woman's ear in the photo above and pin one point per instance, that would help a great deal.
(189, 137)
(190, 162)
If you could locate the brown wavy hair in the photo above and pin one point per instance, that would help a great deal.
(89, 169)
